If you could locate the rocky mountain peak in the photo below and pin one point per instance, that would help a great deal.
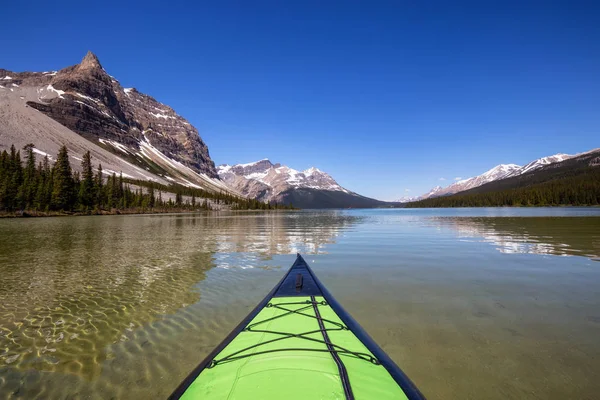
(312, 170)
(86, 99)
(261, 166)
(88, 80)
(90, 61)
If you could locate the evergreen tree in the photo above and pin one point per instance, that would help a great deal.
(76, 189)
(14, 179)
(62, 182)
(45, 188)
(120, 192)
(112, 191)
(86, 190)
(99, 186)
(151, 195)
(38, 202)
(29, 178)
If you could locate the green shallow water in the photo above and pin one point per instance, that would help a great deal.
(472, 303)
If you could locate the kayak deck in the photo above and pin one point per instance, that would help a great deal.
(282, 354)
(295, 345)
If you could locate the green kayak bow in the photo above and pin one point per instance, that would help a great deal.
(298, 343)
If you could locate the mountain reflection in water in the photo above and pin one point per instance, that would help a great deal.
(573, 236)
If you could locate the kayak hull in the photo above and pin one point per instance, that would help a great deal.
(298, 343)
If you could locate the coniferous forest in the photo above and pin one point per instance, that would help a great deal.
(29, 186)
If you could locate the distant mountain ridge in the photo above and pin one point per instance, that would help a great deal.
(406, 199)
(573, 181)
(499, 172)
(276, 183)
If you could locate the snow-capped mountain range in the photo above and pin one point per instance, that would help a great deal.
(499, 172)
(266, 181)
(276, 183)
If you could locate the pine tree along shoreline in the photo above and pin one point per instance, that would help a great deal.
(41, 189)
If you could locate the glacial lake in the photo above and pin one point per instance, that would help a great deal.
(471, 303)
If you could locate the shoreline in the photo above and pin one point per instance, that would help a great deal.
(43, 214)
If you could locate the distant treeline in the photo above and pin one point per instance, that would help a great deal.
(581, 188)
(237, 203)
(41, 187)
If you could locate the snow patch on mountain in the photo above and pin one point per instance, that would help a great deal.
(434, 191)
(57, 91)
(406, 199)
(42, 153)
(532, 166)
(117, 146)
(252, 163)
(83, 96)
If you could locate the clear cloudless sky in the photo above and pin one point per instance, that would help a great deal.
(387, 96)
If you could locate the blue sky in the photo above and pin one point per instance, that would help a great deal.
(387, 96)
